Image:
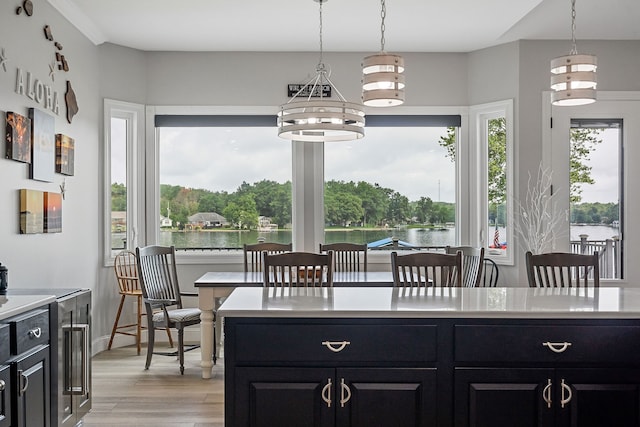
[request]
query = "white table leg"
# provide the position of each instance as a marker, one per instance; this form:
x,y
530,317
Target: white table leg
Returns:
x,y
206,305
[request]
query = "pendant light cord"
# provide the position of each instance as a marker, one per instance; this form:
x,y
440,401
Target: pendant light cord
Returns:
x,y
383,15
574,49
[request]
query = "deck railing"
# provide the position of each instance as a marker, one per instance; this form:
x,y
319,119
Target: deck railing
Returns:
x,y
609,253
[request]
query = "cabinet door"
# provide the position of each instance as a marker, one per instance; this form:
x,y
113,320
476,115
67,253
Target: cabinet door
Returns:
x,y
599,397
5,396
31,376
503,397
393,397
284,397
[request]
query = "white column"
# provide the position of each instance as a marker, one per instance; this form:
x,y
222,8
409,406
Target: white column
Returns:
x,y
308,195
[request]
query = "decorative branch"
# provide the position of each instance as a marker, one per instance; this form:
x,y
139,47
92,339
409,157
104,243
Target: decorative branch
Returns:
x,y
537,219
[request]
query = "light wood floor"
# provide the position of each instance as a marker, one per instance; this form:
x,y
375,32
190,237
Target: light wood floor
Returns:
x,y
124,394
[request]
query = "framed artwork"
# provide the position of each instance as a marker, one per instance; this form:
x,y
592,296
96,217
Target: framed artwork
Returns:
x,y
31,211
43,145
18,137
52,212
64,154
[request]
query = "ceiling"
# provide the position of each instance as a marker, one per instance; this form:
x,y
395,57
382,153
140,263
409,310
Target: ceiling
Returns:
x,y
348,25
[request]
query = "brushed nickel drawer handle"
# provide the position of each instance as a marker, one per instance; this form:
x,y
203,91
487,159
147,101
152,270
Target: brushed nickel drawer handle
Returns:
x,y
336,346
35,332
563,400
326,393
557,347
2,385
345,393
546,393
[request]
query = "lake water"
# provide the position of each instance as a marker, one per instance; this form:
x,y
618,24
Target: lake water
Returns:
x,y
414,236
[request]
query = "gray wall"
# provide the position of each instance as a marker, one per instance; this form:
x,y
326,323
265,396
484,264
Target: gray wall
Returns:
x,y
73,258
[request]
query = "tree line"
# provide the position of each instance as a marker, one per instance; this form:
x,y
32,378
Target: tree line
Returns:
x,y
346,204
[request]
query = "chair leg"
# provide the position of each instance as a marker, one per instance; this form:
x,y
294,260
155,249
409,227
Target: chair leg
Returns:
x,y
181,349
151,337
215,346
170,337
115,323
139,325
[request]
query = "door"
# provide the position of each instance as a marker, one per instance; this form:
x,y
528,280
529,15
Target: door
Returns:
x,y
31,376
393,397
503,397
599,397
625,108
284,397
5,395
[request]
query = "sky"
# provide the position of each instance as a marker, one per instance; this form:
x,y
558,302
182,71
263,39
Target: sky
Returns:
x,y
407,160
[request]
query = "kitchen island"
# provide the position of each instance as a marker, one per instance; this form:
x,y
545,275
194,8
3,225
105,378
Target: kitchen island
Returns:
x,y
432,357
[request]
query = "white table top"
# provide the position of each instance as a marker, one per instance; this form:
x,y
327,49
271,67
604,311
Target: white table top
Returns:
x,y
354,302
12,305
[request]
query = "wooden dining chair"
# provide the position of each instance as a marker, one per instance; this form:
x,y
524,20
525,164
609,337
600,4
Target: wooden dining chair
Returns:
x,y
126,269
253,253
563,270
163,300
472,264
298,269
490,273
425,269
347,256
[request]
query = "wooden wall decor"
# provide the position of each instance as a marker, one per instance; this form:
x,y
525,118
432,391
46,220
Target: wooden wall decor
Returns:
x,y
18,137
72,103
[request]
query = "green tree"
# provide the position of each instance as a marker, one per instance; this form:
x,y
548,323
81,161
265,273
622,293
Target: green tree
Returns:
x,y
583,143
423,209
242,212
399,211
375,202
118,197
342,208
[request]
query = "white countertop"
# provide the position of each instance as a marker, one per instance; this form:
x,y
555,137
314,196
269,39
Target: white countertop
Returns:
x,y
12,305
391,302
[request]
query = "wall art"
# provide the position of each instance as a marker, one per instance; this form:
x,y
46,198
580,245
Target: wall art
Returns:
x,y
65,154
31,211
18,137
43,157
52,212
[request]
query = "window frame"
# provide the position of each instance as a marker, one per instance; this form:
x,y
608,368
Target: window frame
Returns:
x,y
133,114
479,115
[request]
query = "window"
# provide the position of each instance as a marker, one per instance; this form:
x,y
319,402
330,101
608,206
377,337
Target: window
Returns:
x,y
224,181
595,189
396,187
123,135
493,140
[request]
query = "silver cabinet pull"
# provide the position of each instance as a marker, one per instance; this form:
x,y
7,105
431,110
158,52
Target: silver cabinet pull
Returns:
x,y
336,346
326,393
557,347
565,400
546,393
2,385
24,383
345,393
35,332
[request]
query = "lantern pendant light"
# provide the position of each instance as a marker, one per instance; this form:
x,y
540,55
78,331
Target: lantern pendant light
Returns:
x,y
573,77
382,75
320,120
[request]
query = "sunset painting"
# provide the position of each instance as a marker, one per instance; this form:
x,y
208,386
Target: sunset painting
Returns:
x,y
52,212
31,211
18,137
64,154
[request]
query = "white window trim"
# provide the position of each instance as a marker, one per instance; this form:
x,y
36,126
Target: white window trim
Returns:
x,y
134,115
478,193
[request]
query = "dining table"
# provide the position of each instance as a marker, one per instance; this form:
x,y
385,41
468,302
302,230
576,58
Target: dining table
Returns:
x,y
213,286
